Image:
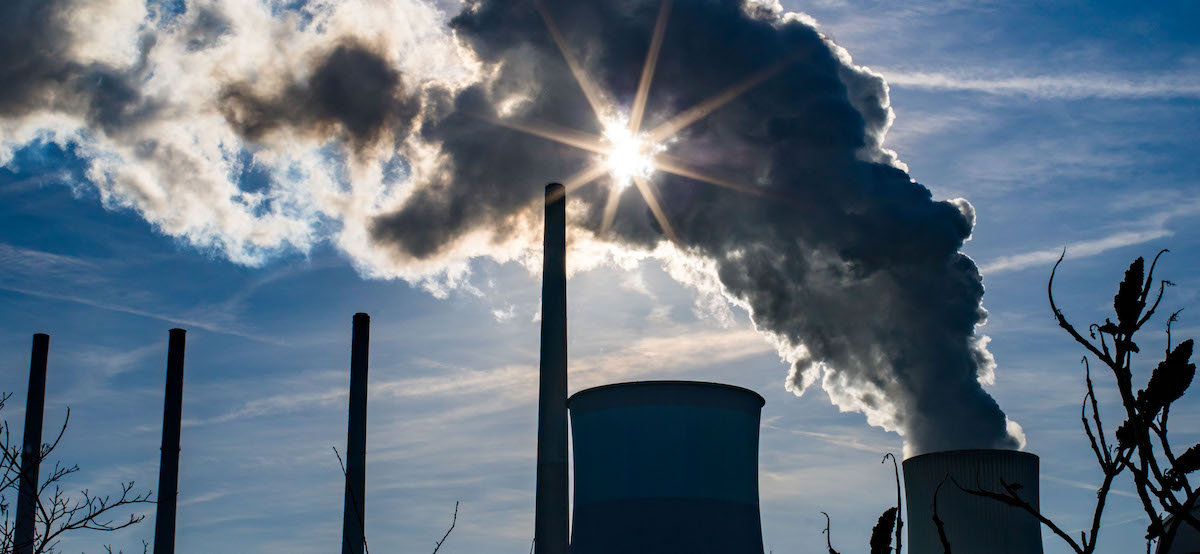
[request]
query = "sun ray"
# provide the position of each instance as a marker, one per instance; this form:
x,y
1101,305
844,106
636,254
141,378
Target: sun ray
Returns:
x,y
643,90
673,165
594,97
610,209
701,110
647,189
584,176
564,135
623,155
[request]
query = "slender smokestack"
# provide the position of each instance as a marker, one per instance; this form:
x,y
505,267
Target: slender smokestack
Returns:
x,y
168,465
31,451
550,527
355,513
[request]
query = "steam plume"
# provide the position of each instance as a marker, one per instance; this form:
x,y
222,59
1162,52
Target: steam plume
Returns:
x,y
376,126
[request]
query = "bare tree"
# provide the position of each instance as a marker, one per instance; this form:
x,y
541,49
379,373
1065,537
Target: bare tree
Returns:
x,y
1141,444
58,512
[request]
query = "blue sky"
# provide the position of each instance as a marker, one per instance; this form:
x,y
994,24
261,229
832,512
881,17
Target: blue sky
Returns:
x,y
1070,124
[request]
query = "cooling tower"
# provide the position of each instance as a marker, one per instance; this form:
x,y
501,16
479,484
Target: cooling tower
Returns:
x,y
666,467
1187,538
974,525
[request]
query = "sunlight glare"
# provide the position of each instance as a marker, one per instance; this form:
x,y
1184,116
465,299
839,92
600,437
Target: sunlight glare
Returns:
x,y
628,155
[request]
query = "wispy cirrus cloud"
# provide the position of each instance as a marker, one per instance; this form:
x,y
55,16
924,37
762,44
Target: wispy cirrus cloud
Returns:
x,y
86,282
1152,227
1069,87
511,385
1079,249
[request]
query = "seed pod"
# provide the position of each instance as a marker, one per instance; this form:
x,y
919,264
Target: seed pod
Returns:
x,y
1169,381
881,534
1125,435
1127,303
1188,461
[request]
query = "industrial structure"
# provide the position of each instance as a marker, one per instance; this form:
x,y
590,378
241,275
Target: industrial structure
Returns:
x,y
354,512
168,467
660,466
666,467
25,531
973,524
1187,538
550,526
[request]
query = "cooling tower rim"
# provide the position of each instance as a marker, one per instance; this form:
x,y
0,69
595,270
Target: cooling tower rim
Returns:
x,y
993,451
664,382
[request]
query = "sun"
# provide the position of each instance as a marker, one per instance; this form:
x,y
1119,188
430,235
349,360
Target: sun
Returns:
x,y
628,155
626,152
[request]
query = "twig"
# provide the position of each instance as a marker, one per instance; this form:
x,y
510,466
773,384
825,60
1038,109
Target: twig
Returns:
x,y
1062,320
899,509
452,522
828,538
1011,498
937,521
354,501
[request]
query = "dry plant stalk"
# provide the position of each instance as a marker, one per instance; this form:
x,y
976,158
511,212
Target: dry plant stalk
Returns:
x,y
1141,444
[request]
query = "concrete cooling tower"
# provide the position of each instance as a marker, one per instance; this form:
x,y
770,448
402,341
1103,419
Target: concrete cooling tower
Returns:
x,y
974,525
666,467
1187,538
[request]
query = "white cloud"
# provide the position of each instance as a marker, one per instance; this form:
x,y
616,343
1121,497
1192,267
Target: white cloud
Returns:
x,y
1071,87
181,169
1155,228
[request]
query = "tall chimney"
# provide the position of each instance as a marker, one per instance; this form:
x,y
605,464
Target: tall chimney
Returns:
x,y
355,513
550,527
168,465
31,451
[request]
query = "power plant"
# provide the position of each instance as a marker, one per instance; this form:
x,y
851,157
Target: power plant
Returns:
x,y
973,524
660,467
666,466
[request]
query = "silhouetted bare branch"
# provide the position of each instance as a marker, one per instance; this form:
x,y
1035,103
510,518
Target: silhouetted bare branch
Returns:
x,y
937,521
899,508
354,501
452,522
828,537
1141,443
57,512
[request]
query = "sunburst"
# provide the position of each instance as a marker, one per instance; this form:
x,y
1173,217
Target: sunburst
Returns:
x,y
625,152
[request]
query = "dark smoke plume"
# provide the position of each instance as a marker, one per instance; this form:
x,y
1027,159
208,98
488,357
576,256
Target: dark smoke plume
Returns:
x,y
352,91
38,73
849,265
857,271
